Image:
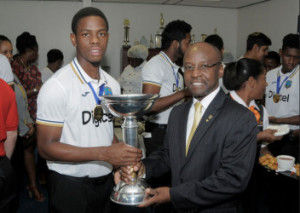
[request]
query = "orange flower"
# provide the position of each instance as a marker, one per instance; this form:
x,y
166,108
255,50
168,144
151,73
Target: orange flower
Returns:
x,y
255,112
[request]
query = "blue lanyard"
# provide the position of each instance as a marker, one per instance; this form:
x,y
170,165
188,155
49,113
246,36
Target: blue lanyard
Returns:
x,y
278,85
174,73
101,91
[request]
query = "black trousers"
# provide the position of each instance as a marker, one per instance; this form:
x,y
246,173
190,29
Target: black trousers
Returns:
x,y
158,132
8,186
79,195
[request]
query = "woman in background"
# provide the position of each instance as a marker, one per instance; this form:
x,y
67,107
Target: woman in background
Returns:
x,y
246,78
26,123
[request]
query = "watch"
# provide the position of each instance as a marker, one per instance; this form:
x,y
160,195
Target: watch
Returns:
x,y
34,90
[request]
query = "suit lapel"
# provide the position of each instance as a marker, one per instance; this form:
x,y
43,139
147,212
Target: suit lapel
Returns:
x,y
183,125
211,113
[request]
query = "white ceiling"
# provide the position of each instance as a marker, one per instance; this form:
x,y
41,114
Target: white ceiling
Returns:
x,y
232,4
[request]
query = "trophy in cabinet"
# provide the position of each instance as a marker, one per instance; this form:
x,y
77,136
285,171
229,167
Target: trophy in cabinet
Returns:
x,y
159,32
126,32
129,107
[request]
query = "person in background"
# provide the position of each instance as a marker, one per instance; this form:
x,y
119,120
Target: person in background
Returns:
x,y
26,130
131,78
75,135
217,41
282,96
210,144
246,78
6,50
8,137
55,59
24,68
272,61
160,76
257,46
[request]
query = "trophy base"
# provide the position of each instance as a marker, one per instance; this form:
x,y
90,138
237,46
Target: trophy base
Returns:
x,y
129,194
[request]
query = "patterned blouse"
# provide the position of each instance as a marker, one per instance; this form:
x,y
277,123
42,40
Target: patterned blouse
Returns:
x,y
30,77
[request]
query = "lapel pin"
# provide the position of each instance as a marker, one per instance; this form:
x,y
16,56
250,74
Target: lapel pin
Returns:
x,y
209,118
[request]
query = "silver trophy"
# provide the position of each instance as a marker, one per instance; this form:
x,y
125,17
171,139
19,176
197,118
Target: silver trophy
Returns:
x,y
129,107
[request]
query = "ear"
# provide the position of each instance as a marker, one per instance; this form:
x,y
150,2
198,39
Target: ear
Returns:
x,y
73,39
221,71
255,47
175,44
280,52
252,82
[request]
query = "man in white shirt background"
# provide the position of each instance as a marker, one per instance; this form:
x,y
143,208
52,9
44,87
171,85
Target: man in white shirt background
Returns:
x,y
55,59
282,96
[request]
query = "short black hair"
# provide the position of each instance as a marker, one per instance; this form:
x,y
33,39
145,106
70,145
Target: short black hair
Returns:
x,y
291,41
237,73
53,55
4,38
85,12
259,39
175,30
273,55
215,40
26,41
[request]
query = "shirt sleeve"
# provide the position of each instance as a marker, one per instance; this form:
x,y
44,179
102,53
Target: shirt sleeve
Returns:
x,y
153,73
11,122
51,104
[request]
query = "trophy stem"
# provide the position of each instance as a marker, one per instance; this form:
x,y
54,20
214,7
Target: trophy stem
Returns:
x,y
130,131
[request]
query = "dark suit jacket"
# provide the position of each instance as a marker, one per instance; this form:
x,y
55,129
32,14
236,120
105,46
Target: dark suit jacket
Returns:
x,y
220,159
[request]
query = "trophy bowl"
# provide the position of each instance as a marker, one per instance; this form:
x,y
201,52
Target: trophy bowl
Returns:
x,y
129,107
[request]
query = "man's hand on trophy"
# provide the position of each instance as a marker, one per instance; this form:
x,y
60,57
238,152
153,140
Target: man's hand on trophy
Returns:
x,y
121,154
156,196
127,173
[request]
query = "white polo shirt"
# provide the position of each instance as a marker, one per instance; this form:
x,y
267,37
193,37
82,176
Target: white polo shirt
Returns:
x,y
162,72
288,104
67,101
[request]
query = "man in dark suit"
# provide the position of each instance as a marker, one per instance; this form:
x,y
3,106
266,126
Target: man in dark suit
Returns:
x,y
211,167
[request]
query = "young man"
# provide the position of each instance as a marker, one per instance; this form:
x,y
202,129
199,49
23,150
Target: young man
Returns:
x,y
272,61
257,46
55,59
76,140
282,95
217,41
210,145
160,76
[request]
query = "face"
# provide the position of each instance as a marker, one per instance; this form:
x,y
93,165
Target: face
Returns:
x,y
58,64
290,59
90,40
199,80
184,44
259,87
7,50
261,52
270,64
33,55
135,62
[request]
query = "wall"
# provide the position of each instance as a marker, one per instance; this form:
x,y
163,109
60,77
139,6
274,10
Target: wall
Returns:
x,y
275,18
50,21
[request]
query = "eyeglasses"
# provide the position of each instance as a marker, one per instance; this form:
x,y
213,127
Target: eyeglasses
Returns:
x,y
203,67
